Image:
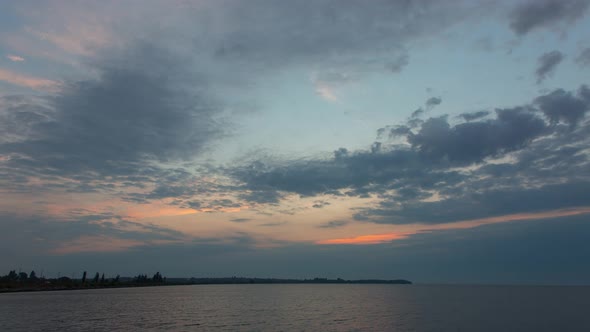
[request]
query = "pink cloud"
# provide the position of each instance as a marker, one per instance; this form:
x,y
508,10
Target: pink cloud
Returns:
x,y
35,83
15,58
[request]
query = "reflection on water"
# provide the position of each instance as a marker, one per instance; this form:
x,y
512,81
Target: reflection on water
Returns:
x,y
301,308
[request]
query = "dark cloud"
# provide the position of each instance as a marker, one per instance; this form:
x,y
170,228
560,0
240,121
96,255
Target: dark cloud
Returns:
x,y
417,113
473,141
239,220
547,64
474,115
546,141
475,205
135,112
562,106
534,14
399,63
325,31
334,224
433,101
41,234
583,58
320,204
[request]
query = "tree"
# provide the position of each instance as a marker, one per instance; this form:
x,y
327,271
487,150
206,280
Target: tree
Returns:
x,y
33,276
23,276
157,277
96,276
102,279
84,277
12,276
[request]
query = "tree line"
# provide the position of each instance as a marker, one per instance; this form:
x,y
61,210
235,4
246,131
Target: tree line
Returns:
x,y
31,281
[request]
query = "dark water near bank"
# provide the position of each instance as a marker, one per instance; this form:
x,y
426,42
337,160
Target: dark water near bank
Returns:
x,y
301,308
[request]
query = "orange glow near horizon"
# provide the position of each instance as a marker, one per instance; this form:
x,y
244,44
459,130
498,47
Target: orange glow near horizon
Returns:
x,y
366,239
464,224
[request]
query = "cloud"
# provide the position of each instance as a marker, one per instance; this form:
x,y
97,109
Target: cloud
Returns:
x,y
528,158
583,58
474,115
320,204
334,224
15,58
536,14
326,93
45,234
473,141
470,256
26,81
547,64
398,63
562,106
433,101
239,220
365,239
144,107
473,205
325,33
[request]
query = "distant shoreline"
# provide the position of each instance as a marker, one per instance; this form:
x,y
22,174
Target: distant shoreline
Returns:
x,y
204,281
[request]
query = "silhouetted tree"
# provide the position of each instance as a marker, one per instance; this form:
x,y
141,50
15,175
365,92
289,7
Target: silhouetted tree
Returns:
x,y
84,277
12,276
96,276
23,276
33,276
141,278
157,277
102,279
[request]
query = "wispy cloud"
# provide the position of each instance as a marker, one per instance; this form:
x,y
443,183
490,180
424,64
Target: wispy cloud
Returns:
x,y
366,239
465,224
32,82
15,58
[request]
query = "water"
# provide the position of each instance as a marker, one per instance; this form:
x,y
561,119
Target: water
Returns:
x,y
301,308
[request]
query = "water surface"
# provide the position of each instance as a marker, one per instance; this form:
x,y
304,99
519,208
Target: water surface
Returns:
x,y
301,308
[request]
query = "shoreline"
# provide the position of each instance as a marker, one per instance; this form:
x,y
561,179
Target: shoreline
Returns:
x,y
210,281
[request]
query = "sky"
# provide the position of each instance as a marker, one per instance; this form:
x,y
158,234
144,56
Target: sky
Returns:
x,y
436,141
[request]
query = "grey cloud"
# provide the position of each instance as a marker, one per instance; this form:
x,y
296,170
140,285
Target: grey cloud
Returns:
x,y
145,112
433,101
320,204
549,165
534,14
135,114
44,233
399,63
474,205
560,105
334,224
325,30
239,220
485,44
417,113
474,115
473,141
547,64
583,58
269,196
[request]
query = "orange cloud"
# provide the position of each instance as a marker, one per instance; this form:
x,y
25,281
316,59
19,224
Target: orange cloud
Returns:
x,y
366,239
388,237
